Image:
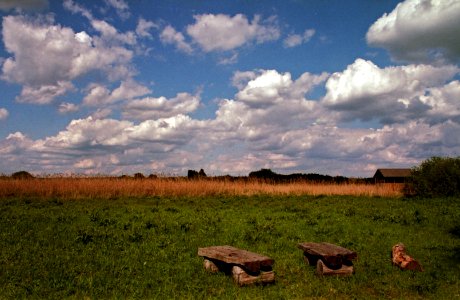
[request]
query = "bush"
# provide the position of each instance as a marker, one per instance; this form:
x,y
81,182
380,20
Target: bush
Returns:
x,y
436,177
139,176
22,175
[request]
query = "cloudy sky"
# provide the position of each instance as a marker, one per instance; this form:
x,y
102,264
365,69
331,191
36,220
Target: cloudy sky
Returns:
x,y
331,87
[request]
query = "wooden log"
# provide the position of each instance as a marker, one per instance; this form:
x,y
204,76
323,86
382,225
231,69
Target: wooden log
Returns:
x,y
250,261
400,258
210,266
241,277
323,270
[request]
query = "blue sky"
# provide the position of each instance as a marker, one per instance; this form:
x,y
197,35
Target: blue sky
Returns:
x,y
331,87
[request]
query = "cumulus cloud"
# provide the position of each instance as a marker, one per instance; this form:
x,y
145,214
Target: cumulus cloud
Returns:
x,y
170,36
294,40
47,57
83,134
156,108
268,105
44,94
3,113
222,32
99,95
270,87
392,94
419,31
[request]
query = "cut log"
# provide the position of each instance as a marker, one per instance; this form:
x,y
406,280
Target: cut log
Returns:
x,y
241,277
400,258
210,266
323,270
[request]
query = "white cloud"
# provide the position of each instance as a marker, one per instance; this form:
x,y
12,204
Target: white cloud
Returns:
x,y
419,31
3,113
86,133
271,87
221,32
170,36
85,164
143,28
44,94
294,40
155,108
121,8
76,9
392,94
229,60
170,132
47,57
66,107
99,95
442,102
110,34
101,113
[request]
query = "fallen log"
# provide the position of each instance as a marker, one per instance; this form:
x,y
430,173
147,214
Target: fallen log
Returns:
x,y
400,258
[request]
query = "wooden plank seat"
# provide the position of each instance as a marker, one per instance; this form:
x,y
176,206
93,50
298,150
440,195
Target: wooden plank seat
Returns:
x,y
246,267
329,259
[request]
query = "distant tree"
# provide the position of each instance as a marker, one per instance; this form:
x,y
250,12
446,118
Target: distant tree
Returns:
x,y
192,174
265,174
202,173
22,175
153,176
436,177
139,176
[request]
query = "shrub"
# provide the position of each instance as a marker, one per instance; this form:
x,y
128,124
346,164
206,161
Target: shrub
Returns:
x,y
436,177
22,175
139,176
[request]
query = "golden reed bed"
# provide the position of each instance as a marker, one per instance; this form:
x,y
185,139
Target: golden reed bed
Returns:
x,y
107,188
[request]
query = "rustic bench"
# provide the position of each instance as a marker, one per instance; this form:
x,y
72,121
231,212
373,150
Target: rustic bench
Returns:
x,y
329,259
246,267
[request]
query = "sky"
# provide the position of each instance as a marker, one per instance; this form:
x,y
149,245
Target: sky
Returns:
x,y
160,87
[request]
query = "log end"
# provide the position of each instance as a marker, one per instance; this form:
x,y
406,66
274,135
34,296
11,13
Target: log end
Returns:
x,y
210,266
323,270
241,277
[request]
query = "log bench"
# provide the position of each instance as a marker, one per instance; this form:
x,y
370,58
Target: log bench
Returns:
x,y
329,259
246,267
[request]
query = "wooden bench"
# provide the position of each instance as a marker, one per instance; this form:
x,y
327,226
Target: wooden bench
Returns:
x,y
246,267
329,259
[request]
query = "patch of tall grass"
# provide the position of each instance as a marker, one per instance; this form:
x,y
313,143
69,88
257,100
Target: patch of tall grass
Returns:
x,y
107,188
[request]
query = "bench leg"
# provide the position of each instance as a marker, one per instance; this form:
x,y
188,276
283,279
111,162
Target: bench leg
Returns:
x,y
242,278
210,266
323,270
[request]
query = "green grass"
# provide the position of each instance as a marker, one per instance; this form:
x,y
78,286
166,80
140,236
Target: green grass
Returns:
x,y
147,247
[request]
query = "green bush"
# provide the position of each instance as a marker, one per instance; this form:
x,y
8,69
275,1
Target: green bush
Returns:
x,y
436,177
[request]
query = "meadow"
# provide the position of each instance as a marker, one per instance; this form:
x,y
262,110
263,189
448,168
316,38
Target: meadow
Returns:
x,y
75,239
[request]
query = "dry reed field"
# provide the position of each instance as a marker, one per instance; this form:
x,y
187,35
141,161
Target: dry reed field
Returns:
x,y
106,188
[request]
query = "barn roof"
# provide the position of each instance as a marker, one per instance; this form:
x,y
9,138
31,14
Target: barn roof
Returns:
x,y
393,172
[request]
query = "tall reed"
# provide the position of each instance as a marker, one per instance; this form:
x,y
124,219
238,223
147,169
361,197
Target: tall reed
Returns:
x,y
107,188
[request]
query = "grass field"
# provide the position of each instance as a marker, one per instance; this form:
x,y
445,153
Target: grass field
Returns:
x,y
145,246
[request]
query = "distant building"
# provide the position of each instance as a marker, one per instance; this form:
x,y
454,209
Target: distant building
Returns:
x,y
391,175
